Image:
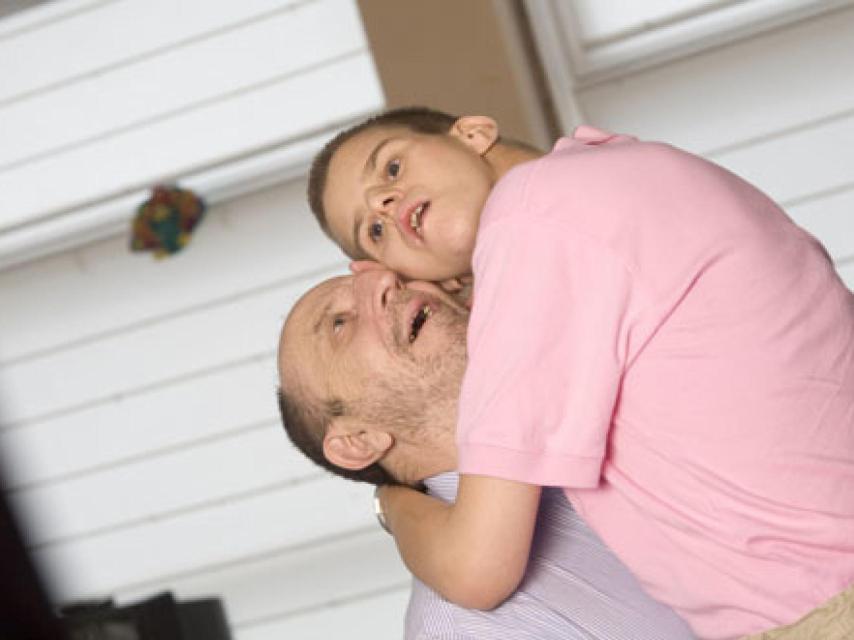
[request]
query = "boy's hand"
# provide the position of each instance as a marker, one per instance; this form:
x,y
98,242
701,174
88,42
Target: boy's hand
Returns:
x,y
460,287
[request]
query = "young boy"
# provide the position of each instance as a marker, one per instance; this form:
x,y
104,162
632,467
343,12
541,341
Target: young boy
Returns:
x,y
650,333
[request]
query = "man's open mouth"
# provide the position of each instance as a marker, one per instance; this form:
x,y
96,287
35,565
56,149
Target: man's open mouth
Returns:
x,y
418,322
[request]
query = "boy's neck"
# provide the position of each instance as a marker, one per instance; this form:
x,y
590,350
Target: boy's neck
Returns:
x,y
503,157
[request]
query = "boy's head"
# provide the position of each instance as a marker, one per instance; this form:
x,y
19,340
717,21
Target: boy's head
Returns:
x,y
406,189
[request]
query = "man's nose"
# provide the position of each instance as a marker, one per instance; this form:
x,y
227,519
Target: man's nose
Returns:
x,y
376,288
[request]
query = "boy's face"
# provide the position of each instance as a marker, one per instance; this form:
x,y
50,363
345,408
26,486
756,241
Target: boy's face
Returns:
x,y
408,200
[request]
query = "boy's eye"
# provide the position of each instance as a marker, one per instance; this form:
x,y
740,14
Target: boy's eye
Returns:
x,y
375,230
393,168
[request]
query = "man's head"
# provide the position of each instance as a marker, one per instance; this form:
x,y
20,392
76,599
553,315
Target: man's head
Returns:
x,y
370,371
406,189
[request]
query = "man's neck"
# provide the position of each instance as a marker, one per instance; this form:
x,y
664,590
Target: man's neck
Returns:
x,y
410,462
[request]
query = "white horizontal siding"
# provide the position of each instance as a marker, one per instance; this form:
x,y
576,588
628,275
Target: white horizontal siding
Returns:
x,y
805,164
170,545
271,587
185,142
600,21
249,461
66,28
178,80
164,420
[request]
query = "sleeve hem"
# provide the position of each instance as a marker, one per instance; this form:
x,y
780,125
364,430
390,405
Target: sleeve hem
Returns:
x,y
567,471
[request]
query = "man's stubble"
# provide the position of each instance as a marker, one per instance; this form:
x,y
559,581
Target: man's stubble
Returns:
x,y
418,401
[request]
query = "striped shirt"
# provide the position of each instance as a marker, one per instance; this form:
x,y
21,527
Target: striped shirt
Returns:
x,y
574,589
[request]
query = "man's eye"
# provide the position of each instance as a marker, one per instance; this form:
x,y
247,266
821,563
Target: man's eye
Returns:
x,y
393,168
375,230
337,324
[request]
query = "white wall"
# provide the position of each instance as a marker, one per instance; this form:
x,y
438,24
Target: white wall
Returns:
x,y
138,424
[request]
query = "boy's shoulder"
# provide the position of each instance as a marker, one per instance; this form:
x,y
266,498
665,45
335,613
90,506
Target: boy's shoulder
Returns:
x,y
568,151
551,172
585,172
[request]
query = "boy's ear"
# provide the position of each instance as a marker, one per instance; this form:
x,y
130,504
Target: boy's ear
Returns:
x,y
478,132
351,447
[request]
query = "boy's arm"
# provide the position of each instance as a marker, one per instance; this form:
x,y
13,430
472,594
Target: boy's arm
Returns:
x,y
473,552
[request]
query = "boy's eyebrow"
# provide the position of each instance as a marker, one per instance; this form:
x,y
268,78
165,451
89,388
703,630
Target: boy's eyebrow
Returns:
x,y
357,227
371,162
370,165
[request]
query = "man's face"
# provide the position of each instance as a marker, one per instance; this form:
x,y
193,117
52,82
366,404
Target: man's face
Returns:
x,y
392,354
408,200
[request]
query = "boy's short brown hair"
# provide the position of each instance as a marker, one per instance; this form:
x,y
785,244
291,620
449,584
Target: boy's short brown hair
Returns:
x,y
418,119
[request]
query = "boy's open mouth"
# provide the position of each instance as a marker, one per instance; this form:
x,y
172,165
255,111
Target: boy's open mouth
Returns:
x,y
417,215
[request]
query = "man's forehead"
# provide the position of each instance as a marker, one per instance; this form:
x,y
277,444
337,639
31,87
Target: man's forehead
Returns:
x,y
301,346
316,303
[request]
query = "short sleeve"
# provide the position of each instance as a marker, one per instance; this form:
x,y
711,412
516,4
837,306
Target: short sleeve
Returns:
x,y
548,341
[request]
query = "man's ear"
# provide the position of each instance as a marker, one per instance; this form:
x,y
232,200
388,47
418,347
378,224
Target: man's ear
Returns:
x,y
479,133
354,448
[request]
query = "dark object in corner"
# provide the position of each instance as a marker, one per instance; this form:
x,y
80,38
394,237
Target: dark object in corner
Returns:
x,y
165,222
25,611
158,618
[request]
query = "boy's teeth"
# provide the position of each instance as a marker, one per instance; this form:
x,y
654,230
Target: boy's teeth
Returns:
x,y
415,217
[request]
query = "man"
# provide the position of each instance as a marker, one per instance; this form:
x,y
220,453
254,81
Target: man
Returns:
x,y
348,370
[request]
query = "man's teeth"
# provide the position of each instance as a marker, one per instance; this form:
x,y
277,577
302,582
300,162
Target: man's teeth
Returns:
x,y
418,322
415,216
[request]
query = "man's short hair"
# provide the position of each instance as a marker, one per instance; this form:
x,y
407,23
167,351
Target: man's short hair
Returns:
x,y
418,119
305,425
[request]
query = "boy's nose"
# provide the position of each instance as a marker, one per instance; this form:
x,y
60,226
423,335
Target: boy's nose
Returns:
x,y
384,200
376,288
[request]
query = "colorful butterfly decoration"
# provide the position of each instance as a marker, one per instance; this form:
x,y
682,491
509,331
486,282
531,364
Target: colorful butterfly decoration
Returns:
x,y
164,223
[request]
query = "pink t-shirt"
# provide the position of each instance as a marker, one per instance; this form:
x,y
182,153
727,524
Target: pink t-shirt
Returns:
x,y
653,334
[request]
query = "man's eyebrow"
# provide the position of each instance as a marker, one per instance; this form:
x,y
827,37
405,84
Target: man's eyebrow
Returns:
x,y
320,321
